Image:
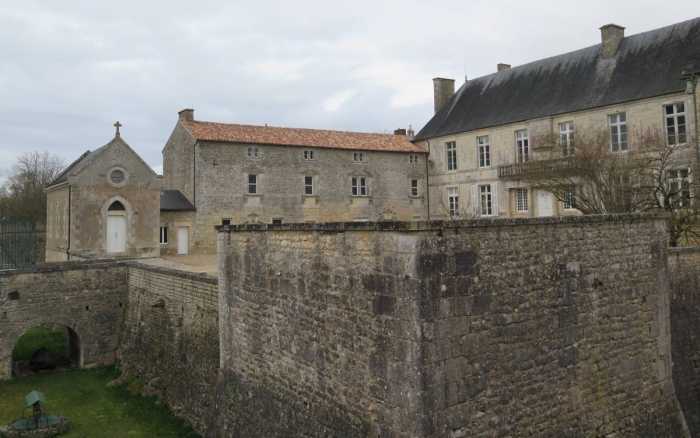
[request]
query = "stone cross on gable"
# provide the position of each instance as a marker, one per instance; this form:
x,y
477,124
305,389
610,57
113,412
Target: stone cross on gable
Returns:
x,y
117,125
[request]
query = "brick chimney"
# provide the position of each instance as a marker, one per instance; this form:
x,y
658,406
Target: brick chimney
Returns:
x,y
611,36
443,89
400,131
186,115
502,67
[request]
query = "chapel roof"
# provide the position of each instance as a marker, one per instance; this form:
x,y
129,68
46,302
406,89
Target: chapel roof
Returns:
x,y
303,137
646,65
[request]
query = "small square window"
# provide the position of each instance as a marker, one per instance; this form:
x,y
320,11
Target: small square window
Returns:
x,y
253,152
413,158
358,157
308,155
277,221
226,221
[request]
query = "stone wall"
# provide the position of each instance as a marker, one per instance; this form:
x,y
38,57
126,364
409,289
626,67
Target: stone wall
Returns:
x,y
684,264
550,327
89,298
171,341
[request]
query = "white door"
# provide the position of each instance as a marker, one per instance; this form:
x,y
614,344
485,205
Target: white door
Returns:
x,y
183,243
116,234
545,204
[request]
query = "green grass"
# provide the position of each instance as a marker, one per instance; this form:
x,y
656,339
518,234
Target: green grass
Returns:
x,y
53,340
94,409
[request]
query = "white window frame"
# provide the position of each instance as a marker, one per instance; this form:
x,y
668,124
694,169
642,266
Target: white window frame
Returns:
x,y
521,200
413,188
674,177
522,146
308,185
483,151
360,188
413,158
569,202
252,184
676,131
253,152
451,155
359,157
164,235
566,138
453,201
617,125
309,155
486,200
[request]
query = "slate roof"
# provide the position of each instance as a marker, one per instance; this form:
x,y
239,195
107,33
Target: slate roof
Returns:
x,y
63,176
646,65
317,138
174,200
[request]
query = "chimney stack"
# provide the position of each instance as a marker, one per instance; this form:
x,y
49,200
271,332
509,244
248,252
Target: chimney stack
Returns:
x,y
400,131
443,89
501,67
186,115
611,36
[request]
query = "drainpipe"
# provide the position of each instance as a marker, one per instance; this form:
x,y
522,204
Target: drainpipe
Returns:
x,y
69,201
427,180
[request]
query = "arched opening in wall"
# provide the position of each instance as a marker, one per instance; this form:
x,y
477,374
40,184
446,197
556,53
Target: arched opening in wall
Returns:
x,y
116,228
46,348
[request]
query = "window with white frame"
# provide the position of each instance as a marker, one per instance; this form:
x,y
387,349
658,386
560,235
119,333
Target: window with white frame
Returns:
x,y
163,235
522,146
486,200
359,186
675,123
308,155
412,158
521,200
453,201
679,187
414,188
358,157
252,184
226,221
618,131
566,138
253,152
451,155
483,151
569,199
308,185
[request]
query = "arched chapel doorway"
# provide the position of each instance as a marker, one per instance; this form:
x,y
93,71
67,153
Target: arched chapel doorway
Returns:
x,y
116,228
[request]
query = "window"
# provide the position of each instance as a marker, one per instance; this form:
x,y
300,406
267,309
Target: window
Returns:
x,y
308,155
226,221
359,186
570,199
453,201
163,235
522,146
412,158
521,200
486,198
483,151
358,157
414,188
253,152
566,138
679,187
451,152
277,221
675,123
618,132
308,185
252,184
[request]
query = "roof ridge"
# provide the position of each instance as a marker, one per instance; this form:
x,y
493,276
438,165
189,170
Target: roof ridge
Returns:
x,y
296,129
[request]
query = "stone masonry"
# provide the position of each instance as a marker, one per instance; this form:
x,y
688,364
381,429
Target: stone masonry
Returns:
x,y
550,328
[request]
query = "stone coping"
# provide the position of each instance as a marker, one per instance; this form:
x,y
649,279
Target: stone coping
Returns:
x,y
416,226
196,276
684,249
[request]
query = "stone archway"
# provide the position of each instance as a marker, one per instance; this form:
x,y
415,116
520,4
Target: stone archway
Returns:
x,y
46,346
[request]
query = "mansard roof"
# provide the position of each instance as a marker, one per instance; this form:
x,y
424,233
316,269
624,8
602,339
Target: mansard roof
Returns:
x,y
646,65
316,138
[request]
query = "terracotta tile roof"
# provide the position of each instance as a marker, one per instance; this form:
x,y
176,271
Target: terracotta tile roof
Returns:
x,y
317,138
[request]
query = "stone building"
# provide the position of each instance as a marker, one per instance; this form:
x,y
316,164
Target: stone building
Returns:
x,y
105,204
230,173
482,136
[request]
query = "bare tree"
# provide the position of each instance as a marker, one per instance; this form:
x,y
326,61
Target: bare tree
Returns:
x,y
645,174
23,196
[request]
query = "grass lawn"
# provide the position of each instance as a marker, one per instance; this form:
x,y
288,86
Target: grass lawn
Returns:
x,y
40,337
94,409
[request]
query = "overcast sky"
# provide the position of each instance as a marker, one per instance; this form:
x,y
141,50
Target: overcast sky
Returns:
x,y
70,69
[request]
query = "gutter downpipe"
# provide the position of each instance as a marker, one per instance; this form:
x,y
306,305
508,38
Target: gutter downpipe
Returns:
x,y
427,179
69,213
